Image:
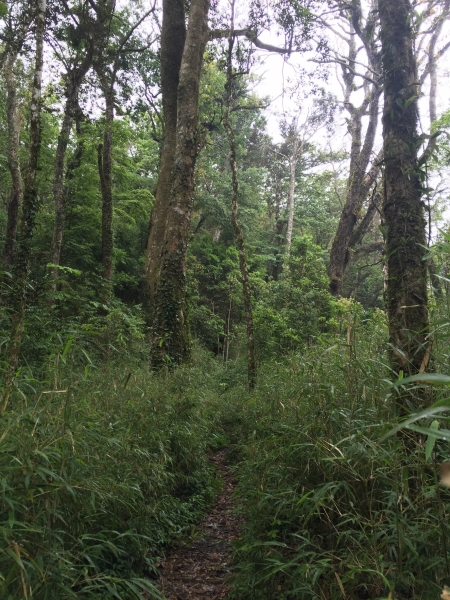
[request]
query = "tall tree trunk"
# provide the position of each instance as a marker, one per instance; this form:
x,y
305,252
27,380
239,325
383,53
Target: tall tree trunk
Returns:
x,y
291,194
406,293
170,327
75,162
105,173
251,360
58,192
277,265
16,198
75,79
106,63
30,206
15,36
173,36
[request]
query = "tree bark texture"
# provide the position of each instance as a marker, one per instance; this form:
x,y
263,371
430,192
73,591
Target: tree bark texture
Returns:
x,y
16,197
170,327
277,265
291,194
16,34
75,79
374,207
363,170
105,172
251,359
173,36
30,206
406,292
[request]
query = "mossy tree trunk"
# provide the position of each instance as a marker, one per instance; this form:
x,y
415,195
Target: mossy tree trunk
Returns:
x,y
406,291
173,36
170,343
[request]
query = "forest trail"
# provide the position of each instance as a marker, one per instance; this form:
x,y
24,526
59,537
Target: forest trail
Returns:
x,y
199,571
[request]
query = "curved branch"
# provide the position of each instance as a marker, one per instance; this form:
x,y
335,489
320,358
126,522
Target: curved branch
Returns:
x,y
251,35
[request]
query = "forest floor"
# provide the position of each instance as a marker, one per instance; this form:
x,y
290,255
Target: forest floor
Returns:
x,y
199,569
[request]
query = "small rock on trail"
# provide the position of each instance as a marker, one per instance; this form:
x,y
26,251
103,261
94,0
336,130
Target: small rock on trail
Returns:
x,y
199,571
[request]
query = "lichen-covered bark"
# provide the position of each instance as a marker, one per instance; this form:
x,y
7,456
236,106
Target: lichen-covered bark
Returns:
x,y
173,36
406,292
170,328
30,206
291,194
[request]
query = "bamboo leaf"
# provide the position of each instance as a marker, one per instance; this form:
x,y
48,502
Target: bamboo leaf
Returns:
x,y
431,440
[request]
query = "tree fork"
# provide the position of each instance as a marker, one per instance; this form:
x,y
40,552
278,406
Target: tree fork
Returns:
x,y
362,173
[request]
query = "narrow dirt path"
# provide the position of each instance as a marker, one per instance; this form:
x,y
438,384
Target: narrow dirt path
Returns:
x,y
199,571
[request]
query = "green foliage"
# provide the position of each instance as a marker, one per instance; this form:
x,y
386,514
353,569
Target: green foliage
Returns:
x,y
103,463
98,474
298,306
327,507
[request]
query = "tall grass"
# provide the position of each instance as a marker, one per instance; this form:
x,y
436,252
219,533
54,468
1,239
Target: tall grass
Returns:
x,y
98,473
101,468
330,511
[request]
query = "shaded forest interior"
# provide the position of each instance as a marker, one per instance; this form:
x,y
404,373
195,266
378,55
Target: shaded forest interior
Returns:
x,y
193,267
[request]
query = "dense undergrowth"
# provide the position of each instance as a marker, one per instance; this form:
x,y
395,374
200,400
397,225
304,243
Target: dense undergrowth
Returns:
x,y
102,466
331,511
98,473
